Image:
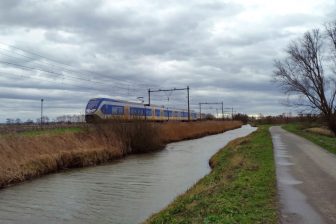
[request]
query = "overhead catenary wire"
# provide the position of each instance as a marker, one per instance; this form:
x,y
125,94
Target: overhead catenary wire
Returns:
x,y
34,61
50,79
38,60
42,69
49,60
59,74
72,70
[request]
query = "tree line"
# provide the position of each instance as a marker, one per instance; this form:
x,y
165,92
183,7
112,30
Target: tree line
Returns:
x,y
46,120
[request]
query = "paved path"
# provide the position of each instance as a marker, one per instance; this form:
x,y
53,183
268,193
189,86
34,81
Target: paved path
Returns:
x,y
306,179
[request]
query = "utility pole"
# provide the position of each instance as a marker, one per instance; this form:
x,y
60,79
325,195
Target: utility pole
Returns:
x,y
222,110
169,90
230,108
188,104
41,112
200,107
149,91
232,113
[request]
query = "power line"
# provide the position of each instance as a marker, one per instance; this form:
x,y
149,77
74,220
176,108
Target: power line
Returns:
x,y
39,60
214,103
59,74
170,90
54,61
33,60
60,82
34,53
46,65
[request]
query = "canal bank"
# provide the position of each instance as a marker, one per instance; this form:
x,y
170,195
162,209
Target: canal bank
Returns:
x,y
241,187
24,157
126,191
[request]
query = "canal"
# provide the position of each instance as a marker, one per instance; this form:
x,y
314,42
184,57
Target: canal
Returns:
x,y
125,191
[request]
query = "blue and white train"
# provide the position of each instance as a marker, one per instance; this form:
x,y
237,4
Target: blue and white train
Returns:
x,y
100,109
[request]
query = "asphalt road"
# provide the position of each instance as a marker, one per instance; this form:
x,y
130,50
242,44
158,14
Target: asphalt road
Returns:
x,y
306,179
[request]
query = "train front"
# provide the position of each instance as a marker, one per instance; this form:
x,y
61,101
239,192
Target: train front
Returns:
x,y
91,110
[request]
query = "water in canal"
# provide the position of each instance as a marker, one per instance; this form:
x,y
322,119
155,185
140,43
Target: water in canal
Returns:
x,y
125,191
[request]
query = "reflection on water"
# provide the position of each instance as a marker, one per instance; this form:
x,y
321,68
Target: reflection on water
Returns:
x,y
126,191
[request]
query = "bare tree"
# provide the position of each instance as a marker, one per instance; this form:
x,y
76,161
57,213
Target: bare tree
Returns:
x,y
17,121
308,73
331,36
9,121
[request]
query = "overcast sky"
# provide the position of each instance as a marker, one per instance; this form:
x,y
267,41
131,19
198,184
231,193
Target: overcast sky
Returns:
x,y
68,51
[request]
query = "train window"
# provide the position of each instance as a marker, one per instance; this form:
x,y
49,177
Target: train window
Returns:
x,y
106,109
148,112
93,104
109,109
167,113
157,112
117,110
103,109
137,111
132,111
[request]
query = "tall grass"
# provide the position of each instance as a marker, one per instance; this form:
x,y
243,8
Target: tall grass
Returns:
x,y
23,157
137,137
27,157
177,131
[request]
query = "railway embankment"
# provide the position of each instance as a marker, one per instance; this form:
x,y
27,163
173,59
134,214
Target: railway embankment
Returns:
x,y
241,187
25,156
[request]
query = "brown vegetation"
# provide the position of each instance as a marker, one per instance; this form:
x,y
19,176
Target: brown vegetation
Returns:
x,y
24,157
321,131
171,132
27,157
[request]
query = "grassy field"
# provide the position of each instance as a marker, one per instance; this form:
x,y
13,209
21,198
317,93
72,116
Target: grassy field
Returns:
x,y
34,153
240,189
326,142
55,131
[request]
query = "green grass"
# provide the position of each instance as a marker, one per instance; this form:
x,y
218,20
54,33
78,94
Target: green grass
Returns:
x,y
55,131
326,142
240,189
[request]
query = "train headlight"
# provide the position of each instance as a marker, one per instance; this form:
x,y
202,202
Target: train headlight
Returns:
x,y
90,111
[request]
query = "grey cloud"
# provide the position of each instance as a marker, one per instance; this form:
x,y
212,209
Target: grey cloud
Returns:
x,y
156,44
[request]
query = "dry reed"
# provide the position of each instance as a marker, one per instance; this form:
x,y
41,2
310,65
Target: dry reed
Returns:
x,y
26,157
171,132
321,131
